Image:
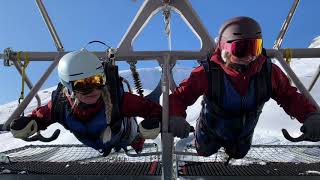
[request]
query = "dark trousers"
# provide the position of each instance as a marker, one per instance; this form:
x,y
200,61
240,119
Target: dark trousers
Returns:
x,y
207,143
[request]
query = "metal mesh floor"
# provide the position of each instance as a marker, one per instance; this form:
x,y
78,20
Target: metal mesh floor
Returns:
x,y
263,154
269,169
91,168
262,160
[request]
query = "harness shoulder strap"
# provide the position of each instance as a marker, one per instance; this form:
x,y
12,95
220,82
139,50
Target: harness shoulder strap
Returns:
x,y
215,81
263,83
116,91
59,101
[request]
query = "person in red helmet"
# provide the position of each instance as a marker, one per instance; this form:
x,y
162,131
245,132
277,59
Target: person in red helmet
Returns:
x,y
92,107
235,83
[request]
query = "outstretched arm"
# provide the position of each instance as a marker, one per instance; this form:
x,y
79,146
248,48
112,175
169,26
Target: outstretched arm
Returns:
x,y
42,115
294,103
188,92
134,105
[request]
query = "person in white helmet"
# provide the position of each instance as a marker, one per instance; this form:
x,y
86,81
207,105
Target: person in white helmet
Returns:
x,y
83,104
235,83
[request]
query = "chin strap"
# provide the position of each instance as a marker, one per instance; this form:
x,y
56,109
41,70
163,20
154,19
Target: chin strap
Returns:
x,y
239,67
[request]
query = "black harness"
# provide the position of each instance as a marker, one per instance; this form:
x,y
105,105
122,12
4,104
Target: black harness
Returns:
x,y
60,102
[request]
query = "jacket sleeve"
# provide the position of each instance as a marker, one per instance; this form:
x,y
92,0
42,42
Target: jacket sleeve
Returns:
x,y
294,103
42,115
188,92
134,105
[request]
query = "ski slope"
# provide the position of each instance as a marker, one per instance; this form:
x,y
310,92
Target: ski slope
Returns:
x,y
268,130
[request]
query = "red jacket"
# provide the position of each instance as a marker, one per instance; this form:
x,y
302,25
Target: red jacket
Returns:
x,y
132,106
294,103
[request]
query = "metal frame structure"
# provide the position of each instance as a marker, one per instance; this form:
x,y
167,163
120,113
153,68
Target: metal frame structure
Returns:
x,y
166,59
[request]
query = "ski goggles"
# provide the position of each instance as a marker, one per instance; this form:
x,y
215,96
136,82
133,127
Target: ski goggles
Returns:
x,y
244,47
87,85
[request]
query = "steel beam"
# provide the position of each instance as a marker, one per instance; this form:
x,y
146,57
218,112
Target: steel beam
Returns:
x,y
174,55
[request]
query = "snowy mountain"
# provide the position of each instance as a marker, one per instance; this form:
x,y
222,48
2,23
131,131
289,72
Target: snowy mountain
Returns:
x,y
268,130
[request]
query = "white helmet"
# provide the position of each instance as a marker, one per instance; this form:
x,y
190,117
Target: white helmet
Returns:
x,y
78,65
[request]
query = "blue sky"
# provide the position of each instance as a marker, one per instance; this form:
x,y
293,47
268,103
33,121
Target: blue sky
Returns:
x,y
81,21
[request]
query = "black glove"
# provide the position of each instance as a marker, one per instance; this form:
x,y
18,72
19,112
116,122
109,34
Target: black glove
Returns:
x,y
150,128
311,127
23,127
179,127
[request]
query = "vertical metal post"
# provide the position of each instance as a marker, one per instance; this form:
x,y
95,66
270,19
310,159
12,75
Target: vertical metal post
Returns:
x,y
22,106
295,79
167,138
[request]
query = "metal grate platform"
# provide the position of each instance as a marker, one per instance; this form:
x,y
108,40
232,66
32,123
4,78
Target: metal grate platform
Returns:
x,y
80,162
269,169
91,168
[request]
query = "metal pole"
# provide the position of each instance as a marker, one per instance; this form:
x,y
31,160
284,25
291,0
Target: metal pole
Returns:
x,y
167,138
50,26
174,55
285,25
315,78
296,52
27,80
165,90
295,79
22,106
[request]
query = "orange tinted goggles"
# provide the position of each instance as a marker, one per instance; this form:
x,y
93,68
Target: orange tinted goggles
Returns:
x,y
89,84
244,47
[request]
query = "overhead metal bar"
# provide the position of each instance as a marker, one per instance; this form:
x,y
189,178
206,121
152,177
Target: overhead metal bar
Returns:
x,y
22,106
296,52
174,55
285,25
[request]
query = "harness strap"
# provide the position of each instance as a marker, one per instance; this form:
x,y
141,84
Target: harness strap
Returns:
x,y
59,101
115,88
23,72
215,81
215,94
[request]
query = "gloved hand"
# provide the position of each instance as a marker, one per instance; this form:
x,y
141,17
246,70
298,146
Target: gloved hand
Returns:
x,y
149,128
311,127
23,127
179,127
